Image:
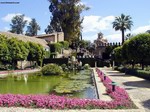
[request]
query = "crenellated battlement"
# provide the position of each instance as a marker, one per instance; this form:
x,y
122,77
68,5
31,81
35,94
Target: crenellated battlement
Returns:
x,y
109,44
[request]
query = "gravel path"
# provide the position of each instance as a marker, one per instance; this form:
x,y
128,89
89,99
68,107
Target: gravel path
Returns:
x,y
138,88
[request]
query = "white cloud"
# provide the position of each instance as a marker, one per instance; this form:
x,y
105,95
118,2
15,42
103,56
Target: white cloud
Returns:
x,y
43,33
114,37
94,24
8,17
97,23
28,19
90,38
141,29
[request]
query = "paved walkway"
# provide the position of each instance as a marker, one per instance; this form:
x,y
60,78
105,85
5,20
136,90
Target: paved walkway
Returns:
x,y
138,88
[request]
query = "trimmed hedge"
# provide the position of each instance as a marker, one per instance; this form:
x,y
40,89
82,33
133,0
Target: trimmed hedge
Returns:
x,y
143,74
58,61
51,69
90,61
139,73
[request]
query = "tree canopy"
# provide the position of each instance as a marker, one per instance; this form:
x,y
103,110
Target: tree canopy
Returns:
x,y
36,52
66,17
135,50
139,48
17,24
122,23
33,28
12,50
4,51
118,54
49,29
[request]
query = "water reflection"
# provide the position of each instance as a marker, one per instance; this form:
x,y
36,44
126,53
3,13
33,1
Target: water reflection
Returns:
x,y
35,84
25,78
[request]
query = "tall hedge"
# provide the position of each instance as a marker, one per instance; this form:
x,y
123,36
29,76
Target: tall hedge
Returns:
x,y
118,54
139,48
12,50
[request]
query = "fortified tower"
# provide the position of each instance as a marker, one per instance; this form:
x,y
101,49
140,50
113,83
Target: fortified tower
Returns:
x,y
100,44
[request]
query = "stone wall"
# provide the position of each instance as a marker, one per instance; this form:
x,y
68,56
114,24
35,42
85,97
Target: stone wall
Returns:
x,y
24,64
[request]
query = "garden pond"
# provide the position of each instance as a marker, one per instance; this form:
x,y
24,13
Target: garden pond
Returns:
x,y
73,85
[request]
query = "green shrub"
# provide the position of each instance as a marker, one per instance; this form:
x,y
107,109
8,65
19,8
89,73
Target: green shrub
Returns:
x,y
144,74
86,66
52,69
136,72
65,44
64,66
47,54
55,47
147,68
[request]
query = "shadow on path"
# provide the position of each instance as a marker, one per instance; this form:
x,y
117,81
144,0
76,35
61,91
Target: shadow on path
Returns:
x,y
130,88
120,75
141,84
115,73
146,104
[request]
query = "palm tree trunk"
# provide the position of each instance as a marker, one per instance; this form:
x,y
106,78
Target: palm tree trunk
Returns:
x,y
81,36
122,31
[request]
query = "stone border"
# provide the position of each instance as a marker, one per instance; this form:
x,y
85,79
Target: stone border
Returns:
x,y
100,88
18,72
20,109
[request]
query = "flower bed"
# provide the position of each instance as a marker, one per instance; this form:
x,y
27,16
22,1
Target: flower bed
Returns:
x,y
119,95
120,99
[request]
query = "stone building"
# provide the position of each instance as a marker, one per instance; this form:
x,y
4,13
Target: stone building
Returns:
x,y
26,39
100,45
53,37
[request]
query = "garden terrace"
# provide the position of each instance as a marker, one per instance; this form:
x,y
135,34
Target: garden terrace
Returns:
x,y
120,99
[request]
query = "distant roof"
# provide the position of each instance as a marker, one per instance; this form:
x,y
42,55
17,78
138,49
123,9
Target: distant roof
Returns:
x,y
25,38
46,35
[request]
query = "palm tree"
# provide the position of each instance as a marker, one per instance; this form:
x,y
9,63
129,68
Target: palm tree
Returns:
x,y
128,36
122,23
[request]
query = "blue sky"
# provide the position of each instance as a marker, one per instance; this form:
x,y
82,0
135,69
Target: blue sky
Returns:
x,y
98,18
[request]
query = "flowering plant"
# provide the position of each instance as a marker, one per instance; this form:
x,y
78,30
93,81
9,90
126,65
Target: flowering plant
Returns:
x,y
119,95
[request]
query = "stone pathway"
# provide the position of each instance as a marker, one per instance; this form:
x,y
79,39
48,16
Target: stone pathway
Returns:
x,y
138,88
19,109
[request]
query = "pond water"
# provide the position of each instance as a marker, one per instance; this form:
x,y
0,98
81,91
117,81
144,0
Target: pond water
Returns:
x,y
34,84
